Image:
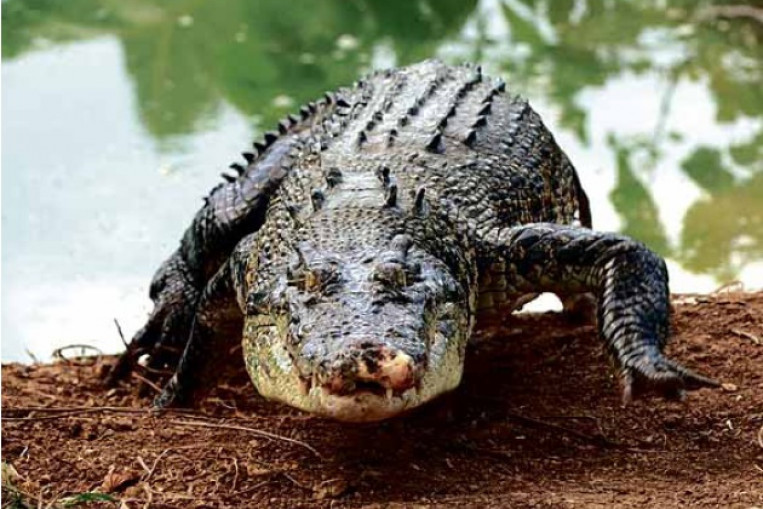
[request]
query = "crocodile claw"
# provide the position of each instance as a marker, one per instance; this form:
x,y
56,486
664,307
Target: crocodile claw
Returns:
x,y
162,339
660,375
172,395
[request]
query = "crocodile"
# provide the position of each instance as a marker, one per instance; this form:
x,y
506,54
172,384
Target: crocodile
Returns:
x,y
355,248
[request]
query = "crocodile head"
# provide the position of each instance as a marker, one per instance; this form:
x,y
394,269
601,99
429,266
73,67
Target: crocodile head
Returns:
x,y
357,331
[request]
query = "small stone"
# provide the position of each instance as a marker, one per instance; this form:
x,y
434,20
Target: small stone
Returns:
x,y
728,387
332,488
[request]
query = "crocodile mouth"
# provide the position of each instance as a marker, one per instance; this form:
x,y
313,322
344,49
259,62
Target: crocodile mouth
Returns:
x,y
365,400
370,388
374,388
393,389
368,402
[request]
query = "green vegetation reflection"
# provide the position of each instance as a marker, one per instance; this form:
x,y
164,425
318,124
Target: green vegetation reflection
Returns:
x,y
187,58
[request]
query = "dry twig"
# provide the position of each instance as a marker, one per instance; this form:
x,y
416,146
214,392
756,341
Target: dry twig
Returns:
x,y
146,381
296,482
255,431
58,353
235,475
600,440
752,337
121,335
156,462
63,412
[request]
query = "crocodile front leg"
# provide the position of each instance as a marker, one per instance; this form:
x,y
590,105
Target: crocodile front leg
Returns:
x,y
630,283
215,330
231,211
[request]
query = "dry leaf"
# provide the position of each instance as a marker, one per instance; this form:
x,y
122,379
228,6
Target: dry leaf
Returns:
x,y
118,481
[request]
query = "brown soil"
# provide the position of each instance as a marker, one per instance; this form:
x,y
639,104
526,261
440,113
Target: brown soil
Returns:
x,y
537,421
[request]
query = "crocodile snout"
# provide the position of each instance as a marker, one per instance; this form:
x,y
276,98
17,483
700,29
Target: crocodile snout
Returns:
x,y
379,370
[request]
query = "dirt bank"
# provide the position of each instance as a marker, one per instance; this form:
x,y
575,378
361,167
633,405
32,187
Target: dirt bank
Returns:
x,y
536,422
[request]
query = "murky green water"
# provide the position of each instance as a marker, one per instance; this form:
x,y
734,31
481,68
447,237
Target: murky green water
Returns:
x,y
118,116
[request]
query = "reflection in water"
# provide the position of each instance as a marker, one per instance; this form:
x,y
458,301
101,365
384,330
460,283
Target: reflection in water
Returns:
x,y
119,114
635,205
723,232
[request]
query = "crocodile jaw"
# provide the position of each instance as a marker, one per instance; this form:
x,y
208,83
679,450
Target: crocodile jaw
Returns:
x,y
274,375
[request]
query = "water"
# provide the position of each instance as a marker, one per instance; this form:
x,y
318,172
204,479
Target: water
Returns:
x,y
118,116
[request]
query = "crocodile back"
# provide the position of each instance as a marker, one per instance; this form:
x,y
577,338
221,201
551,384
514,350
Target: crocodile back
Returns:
x,y
478,154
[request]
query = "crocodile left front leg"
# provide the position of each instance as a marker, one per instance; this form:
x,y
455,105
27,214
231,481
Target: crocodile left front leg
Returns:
x,y
630,283
214,333
230,212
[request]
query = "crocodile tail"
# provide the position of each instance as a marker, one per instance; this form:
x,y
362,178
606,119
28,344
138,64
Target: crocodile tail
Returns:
x,y
584,206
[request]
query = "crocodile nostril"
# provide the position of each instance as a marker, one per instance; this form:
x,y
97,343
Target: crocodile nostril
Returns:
x,y
391,369
371,386
380,371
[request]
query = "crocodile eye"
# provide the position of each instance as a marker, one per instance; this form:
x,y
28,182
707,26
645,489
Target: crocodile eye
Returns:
x,y
390,274
312,281
317,278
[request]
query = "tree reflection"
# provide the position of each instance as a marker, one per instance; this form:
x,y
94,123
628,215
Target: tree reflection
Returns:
x,y
723,231
635,205
186,58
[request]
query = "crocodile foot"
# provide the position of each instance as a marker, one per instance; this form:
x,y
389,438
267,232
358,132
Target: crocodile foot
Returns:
x,y
656,374
173,395
158,345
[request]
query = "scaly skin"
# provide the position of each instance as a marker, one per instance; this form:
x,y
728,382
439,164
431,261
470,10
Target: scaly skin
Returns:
x,y
362,242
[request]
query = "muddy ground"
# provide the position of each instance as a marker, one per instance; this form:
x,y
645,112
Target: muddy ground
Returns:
x,y
537,422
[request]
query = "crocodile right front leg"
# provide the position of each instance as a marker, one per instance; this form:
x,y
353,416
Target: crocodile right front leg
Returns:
x,y
231,211
631,286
